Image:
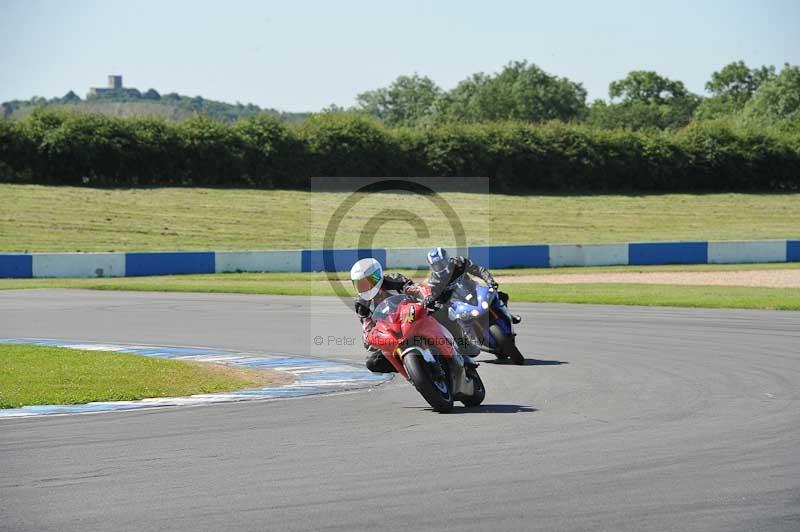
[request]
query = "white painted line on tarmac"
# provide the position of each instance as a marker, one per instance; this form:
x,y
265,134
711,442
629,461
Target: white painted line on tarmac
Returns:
x,y
311,376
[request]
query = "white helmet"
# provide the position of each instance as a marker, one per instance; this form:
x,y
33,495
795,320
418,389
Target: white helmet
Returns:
x,y
367,277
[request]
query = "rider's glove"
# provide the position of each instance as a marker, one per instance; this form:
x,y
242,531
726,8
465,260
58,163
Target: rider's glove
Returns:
x,y
430,303
493,284
361,309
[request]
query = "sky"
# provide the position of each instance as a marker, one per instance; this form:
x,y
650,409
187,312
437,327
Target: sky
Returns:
x,y
305,55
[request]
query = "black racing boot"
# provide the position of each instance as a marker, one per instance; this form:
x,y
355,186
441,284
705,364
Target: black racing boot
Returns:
x,y
515,318
377,363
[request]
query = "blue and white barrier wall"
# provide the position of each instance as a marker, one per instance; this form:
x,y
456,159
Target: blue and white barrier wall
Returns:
x,y
36,265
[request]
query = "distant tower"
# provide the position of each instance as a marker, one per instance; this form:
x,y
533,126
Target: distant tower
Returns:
x,y
113,89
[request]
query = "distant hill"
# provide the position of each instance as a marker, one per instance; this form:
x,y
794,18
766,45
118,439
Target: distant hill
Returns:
x,y
130,102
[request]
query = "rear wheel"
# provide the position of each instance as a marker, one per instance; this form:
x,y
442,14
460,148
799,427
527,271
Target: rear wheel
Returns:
x,y
436,391
507,345
480,392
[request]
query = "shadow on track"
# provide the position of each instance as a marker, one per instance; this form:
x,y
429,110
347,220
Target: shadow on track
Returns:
x,y
484,409
528,362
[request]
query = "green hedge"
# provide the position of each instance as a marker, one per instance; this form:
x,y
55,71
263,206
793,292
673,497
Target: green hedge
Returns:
x,y
76,148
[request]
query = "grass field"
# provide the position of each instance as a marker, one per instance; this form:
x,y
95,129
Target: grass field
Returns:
x,y
42,218
38,375
307,284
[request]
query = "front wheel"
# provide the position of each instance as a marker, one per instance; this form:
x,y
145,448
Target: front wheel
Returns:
x,y
506,345
436,391
480,392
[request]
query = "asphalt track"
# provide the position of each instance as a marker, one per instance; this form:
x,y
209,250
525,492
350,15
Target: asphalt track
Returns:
x,y
634,419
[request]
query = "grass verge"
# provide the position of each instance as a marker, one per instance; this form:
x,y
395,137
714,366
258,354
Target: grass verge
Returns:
x,y
39,375
742,297
89,219
317,284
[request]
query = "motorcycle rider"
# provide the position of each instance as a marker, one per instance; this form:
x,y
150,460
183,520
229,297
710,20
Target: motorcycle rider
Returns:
x,y
444,272
373,287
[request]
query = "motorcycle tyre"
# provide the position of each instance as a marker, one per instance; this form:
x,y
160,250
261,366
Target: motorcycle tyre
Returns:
x,y
507,345
423,381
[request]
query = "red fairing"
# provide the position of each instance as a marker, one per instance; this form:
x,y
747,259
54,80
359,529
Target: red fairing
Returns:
x,y
429,332
410,314
384,337
412,323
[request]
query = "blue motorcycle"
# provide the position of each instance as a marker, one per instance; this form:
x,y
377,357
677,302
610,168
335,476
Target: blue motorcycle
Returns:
x,y
484,318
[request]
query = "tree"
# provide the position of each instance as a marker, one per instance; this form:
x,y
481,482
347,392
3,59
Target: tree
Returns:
x,y
333,108
639,115
777,101
521,91
151,94
647,101
196,103
648,87
403,103
737,82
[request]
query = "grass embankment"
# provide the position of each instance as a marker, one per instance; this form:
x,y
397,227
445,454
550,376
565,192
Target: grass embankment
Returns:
x,y
318,284
37,375
46,218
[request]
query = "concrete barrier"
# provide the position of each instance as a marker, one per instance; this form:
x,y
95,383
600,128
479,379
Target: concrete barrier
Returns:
x,y
78,264
533,256
16,265
588,254
27,265
414,258
747,251
337,260
258,261
793,251
650,253
168,263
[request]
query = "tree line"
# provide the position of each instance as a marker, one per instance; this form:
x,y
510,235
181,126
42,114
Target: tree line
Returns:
x,y
525,128
189,105
642,100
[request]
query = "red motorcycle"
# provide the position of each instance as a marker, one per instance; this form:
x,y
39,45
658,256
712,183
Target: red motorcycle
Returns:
x,y
423,352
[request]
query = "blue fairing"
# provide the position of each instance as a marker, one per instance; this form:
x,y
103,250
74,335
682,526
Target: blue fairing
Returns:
x,y
470,305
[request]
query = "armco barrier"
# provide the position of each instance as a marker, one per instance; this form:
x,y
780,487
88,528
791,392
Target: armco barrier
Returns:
x,y
24,265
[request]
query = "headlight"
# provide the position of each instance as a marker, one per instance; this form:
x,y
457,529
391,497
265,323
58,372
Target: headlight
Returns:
x,y
485,305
